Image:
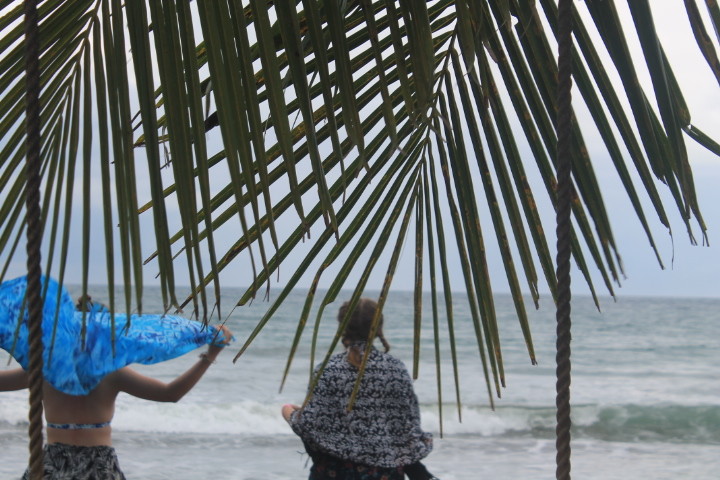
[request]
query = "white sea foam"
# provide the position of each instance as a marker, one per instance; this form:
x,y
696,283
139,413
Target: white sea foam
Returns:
x,y
14,408
246,417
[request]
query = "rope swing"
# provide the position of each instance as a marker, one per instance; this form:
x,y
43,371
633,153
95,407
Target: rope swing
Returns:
x,y
34,236
563,230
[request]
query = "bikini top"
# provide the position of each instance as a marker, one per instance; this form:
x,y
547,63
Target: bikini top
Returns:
x,y
78,426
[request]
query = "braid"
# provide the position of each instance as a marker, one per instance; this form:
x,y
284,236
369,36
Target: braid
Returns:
x,y
385,343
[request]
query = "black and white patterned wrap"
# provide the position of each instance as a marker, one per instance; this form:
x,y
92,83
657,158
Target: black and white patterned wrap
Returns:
x,y
383,428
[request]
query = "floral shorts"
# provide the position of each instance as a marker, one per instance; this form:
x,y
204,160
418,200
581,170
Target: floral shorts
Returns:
x,y
72,462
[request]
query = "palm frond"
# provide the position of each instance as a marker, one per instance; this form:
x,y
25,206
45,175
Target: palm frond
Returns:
x,y
256,132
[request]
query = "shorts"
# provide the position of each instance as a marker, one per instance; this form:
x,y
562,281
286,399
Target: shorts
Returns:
x,y
73,462
331,468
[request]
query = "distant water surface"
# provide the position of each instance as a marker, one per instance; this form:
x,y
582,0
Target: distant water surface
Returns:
x,y
645,396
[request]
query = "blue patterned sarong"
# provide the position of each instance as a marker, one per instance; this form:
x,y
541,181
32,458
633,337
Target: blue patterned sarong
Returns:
x,y
76,367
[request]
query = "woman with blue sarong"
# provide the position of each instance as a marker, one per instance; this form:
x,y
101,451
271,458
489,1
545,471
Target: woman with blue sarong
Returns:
x,y
83,373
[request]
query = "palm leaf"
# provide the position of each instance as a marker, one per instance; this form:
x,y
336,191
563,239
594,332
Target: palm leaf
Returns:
x,y
339,122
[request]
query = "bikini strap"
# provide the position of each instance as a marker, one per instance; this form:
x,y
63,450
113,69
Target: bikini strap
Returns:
x,y
78,426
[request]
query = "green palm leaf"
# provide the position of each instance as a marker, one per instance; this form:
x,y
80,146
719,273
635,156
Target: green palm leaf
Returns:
x,y
321,129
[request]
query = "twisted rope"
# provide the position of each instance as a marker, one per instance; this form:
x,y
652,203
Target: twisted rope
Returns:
x,y
32,203
564,193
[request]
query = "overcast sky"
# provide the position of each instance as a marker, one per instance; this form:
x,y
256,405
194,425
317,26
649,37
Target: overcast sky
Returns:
x,y
689,270
695,270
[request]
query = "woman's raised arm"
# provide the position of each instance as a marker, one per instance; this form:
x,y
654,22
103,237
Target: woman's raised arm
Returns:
x,y
129,381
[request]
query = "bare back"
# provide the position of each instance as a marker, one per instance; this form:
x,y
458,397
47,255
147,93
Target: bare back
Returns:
x,y
95,408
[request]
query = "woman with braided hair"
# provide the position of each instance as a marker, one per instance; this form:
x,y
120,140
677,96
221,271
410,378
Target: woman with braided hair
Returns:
x,y
380,436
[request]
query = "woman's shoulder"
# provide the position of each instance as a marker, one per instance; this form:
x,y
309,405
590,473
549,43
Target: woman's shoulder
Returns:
x,y
377,358
388,360
336,360
387,357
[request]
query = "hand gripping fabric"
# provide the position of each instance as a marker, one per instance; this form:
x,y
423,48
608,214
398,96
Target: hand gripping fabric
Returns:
x,y
76,367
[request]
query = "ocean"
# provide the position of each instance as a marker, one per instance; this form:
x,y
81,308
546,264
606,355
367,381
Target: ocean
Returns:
x,y
645,397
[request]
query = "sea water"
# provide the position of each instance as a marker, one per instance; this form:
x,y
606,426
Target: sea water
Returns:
x,y
645,396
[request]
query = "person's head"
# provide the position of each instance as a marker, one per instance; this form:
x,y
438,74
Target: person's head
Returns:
x,y
359,327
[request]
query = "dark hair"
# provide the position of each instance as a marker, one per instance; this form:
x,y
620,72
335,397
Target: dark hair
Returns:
x,y
359,326
84,303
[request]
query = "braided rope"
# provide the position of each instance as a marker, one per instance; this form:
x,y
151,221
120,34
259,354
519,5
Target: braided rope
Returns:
x,y
564,193
32,201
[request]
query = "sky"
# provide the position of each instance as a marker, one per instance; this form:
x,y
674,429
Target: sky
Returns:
x,y
689,271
